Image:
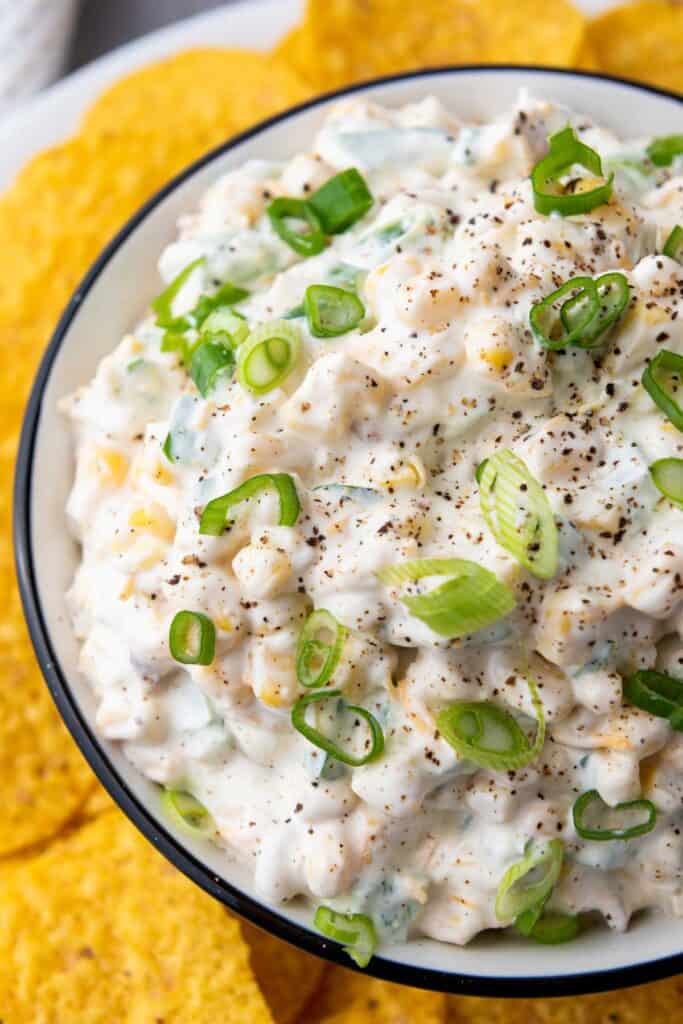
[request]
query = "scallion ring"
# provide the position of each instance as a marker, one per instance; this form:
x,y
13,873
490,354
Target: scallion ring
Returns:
x,y
318,739
356,933
225,325
472,598
666,362
667,476
319,648
591,803
657,693
518,513
549,928
306,241
546,319
566,151
268,356
613,295
673,247
488,735
227,295
187,812
192,638
529,881
662,150
341,201
214,519
332,311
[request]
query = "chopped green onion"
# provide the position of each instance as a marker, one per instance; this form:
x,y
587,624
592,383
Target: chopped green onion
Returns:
x,y
613,295
268,356
167,448
307,241
673,246
341,201
662,151
546,320
518,513
319,648
529,881
471,599
163,303
226,326
214,518
566,151
192,638
175,341
550,928
669,362
227,295
656,692
295,313
210,360
355,931
319,739
591,801
332,311
667,476
187,812
490,736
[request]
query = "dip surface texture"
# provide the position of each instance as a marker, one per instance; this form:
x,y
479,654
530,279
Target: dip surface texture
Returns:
x,y
381,431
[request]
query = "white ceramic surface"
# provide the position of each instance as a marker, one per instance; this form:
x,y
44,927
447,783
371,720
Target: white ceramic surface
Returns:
x,y
117,299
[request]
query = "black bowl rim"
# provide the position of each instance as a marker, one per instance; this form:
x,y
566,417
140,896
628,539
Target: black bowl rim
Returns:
x,y
83,733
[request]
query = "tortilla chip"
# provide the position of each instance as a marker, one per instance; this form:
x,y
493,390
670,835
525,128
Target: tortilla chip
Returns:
x,y
206,95
643,41
658,1003
347,997
343,41
286,976
101,928
96,803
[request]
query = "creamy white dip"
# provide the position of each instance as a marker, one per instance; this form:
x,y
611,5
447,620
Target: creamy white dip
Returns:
x,y
442,373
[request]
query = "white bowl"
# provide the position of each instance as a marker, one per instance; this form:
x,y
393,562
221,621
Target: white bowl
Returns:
x,y
112,297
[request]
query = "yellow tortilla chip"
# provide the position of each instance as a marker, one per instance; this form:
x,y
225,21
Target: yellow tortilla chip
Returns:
x,y
643,41
287,977
208,95
658,1003
347,997
101,928
97,802
349,40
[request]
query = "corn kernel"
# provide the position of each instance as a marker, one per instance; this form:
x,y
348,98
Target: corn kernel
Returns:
x,y
154,520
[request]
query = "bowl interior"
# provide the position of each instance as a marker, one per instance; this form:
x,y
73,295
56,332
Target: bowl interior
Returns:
x,y
104,309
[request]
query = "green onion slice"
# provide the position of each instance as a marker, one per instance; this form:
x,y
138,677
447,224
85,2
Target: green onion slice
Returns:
x,y
163,303
167,448
472,598
210,360
673,246
547,323
226,326
356,932
668,362
656,692
268,356
341,201
529,881
550,928
590,809
613,295
518,513
667,476
319,648
187,812
227,295
319,739
490,736
662,150
332,311
192,638
308,239
215,520
566,151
